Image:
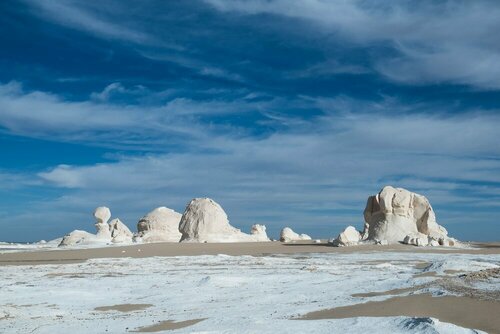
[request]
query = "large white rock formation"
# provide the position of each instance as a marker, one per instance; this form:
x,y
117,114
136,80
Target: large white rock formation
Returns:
x,y
397,215
205,221
288,235
160,225
79,237
116,231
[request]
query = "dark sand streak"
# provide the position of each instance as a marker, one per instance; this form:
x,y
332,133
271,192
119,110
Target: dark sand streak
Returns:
x,y
123,307
168,325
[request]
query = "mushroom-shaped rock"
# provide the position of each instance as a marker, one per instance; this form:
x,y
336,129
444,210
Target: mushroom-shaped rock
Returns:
x,y
160,225
288,235
103,235
119,231
204,220
349,237
102,215
395,213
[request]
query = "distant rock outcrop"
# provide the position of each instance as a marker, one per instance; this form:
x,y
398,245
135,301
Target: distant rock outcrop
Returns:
x,y
115,231
79,237
160,225
204,220
288,235
350,236
258,232
396,215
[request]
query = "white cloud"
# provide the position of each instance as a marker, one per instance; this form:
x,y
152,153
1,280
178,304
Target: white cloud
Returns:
x,y
311,178
449,41
314,172
81,15
39,114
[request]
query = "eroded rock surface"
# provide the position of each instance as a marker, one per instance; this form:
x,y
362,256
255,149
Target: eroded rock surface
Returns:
x,y
288,235
396,215
115,231
350,236
204,220
119,231
160,225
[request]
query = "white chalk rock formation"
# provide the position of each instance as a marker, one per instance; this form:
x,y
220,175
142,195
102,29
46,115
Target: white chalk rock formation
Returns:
x,y
115,231
160,225
258,232
78,237
349,237
288,235
120,233
102,215
398,215
205,221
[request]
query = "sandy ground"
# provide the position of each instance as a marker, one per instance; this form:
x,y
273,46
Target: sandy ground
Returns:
x,y
192,249
462,311
470,307
168,326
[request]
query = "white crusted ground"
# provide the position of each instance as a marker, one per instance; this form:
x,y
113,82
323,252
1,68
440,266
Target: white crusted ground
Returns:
x,y
241,294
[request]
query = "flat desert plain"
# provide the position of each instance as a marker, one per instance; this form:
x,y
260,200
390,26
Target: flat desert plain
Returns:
x,y
267,287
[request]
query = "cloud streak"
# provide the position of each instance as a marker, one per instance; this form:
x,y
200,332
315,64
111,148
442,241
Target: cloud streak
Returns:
x,y
436,42
85,16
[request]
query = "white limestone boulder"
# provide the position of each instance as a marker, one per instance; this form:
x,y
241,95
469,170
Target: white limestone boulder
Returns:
x,y
288,235
426,240
419,239
204,220
120,233
349,237
160,225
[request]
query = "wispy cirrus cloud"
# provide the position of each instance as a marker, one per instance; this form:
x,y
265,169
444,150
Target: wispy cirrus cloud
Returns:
x,y
316,181
91,17
313,173
434,42
413,43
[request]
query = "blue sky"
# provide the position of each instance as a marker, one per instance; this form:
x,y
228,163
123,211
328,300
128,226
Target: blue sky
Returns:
x,y
288,113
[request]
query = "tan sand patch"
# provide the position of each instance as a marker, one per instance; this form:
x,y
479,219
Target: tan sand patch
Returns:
x,y
461,311
388,292
68,275
422,265
426,274
168,325
123,307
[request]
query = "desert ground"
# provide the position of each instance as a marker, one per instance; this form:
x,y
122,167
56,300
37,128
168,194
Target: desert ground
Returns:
x,y
258,287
